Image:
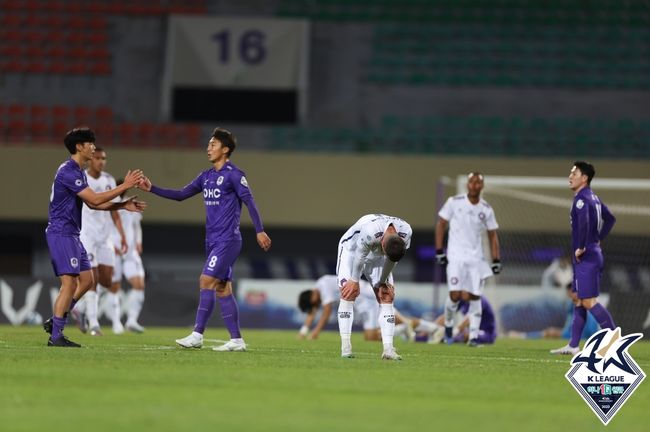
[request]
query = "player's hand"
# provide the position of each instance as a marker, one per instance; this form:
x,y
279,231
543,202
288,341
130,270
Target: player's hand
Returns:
x,y
138,247
264,241
350,290
496,266
124,246
441,257
145,184
579,253
132,178
131,204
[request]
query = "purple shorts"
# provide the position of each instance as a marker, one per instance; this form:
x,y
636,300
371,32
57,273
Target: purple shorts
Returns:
x,y
221,258
68,254
586,274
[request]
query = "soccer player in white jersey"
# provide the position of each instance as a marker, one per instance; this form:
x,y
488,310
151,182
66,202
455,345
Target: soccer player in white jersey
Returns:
x,y
128,265
371,247
96,238
467,216
326,293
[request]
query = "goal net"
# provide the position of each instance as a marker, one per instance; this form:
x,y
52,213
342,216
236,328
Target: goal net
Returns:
x,y
535,234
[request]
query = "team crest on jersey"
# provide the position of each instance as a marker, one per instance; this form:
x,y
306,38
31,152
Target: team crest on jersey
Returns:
x,y
481,215
454,280
74,262
243,182
78,182
580,204
219,180
604,373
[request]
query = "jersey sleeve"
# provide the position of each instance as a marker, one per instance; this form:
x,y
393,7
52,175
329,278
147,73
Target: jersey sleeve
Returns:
x,y
446,212
327,292
188,191
582,222
608,221
240,185
405,233
74,180
491,220
363,247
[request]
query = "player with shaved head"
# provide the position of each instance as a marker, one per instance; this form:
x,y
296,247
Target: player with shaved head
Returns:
x,y
371,247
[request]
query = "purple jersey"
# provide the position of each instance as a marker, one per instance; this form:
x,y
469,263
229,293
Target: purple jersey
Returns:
x,y
223,193
488,321
65,205
591,220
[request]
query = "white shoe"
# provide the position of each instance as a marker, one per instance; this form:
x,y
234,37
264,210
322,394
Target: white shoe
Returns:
x,y
231,345
566,350
391,354
194,340
118,328
346,351
134,327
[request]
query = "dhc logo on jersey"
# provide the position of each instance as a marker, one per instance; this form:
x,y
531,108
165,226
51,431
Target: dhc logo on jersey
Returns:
x,y
604,373
212,193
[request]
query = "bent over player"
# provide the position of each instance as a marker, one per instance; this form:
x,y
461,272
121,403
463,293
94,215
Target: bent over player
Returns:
x,y
224,188
371,247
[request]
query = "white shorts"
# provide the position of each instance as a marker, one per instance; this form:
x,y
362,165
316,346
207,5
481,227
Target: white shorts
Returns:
x,y
467,276
99,252
129,265
367,311
372,271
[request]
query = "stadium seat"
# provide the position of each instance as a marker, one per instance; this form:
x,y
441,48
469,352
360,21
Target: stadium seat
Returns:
x,y
17,131
83,115
38,113
39,132
60,114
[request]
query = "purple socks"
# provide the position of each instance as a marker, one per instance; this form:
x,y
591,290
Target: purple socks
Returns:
x,y
230,315
602,316
578,324
207,301
57,327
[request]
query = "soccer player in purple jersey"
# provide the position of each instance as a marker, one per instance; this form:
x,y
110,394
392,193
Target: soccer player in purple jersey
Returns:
x,y
69,259
223,187
591,221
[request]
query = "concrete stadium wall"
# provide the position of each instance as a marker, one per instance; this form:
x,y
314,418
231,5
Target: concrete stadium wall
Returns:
x,y
297,190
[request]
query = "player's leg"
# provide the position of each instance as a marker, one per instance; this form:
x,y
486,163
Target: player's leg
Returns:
x,y
386,295
577,322
207,301
92,306
346,305
134,272
455,283
368,309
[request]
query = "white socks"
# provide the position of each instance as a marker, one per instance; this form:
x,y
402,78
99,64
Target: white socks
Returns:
x,y
135,302
387,325
91,298
114,310
475,311
346,316
450,311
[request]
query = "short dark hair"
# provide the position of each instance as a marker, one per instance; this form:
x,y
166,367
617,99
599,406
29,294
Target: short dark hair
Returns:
x,y
587,169
395,248
226,138
78,136
304,301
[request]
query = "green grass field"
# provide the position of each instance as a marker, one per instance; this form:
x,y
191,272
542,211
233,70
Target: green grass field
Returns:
x,y
144,383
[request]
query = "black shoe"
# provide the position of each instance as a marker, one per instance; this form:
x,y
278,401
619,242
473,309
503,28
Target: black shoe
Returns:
x,y
47,326
62,342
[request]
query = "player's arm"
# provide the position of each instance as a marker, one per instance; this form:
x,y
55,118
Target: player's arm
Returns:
x,y
137,229
495,249
244,193
322,322
309,319
441,228
100,200
608,221
177,195
117,220
582,228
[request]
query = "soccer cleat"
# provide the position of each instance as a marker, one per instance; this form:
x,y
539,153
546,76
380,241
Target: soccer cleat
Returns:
x,y
62,342
96,331
134,327
194,340
566,350
391,354
47,325
474,343
231,345
80,319
118,328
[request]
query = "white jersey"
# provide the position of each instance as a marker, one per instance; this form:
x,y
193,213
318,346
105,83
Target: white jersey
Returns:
x,y
362,244
96,224
466,224
132,230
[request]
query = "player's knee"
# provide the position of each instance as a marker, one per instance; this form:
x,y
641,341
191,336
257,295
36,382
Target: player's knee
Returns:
x,y
385,293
